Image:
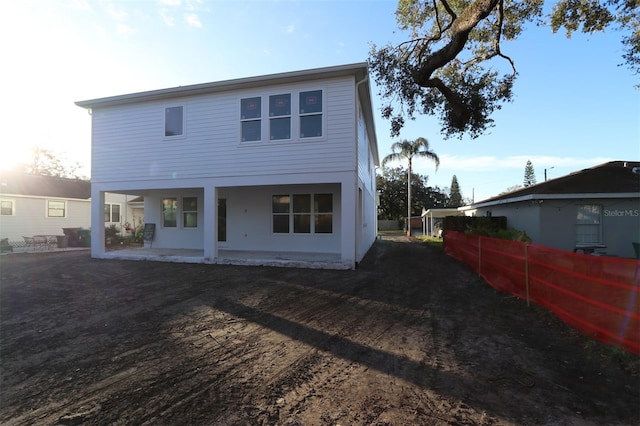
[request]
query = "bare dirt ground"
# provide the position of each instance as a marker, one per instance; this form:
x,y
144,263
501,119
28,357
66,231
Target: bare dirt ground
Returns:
x,y
411,337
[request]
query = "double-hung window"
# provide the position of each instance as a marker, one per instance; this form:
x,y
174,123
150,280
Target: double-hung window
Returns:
x,y
56,208
170,212
173,121
280,117
250,119
294,115
6,208
281,209
190,212
310,110
323,213
588,224
112,213
302,213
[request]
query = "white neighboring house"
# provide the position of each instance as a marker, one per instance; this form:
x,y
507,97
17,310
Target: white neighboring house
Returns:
x,y
276,169
42,205
35,205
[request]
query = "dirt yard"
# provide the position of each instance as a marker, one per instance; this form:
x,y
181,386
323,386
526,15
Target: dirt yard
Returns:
x,y
412,337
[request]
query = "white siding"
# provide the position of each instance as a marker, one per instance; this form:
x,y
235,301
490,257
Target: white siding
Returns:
x,y
248,220
129,143
367,183
30,217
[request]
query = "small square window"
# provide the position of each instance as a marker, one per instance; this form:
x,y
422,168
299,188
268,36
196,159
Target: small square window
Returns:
x,y
311,126
6,208
281,224
250,108
56,209
251,131
173,121
280,105
280,204
280,128
324,223
311,102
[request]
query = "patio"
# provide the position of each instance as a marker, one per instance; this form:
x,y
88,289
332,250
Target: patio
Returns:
x,y
231,257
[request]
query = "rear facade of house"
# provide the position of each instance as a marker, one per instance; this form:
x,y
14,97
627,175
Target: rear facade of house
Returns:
x,y
279,166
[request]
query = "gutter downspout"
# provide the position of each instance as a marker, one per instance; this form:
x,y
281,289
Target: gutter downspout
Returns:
x,y
355,132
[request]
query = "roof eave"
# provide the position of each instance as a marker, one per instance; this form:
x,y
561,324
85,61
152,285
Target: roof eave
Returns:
x,y
530,197
360,70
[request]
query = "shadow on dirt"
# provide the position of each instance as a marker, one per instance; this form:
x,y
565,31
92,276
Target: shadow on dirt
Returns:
x,y
411,337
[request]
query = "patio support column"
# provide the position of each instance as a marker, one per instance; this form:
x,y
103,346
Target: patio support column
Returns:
x,y
210,212
97,222
348,232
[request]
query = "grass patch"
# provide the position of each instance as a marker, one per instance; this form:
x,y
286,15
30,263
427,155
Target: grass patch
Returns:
x,y
432,241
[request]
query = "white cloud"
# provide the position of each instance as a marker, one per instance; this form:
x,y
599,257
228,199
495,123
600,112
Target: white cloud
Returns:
x,y
193,20
171,2
117,13
125,29
167,18
289,29
77,4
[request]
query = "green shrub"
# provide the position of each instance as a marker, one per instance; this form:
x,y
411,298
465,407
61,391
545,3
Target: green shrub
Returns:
x,y
510,233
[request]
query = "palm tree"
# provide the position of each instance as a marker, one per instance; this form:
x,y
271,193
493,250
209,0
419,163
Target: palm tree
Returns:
x,y
405,149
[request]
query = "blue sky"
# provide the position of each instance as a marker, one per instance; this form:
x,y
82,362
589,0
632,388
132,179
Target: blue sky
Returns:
x,y
574,106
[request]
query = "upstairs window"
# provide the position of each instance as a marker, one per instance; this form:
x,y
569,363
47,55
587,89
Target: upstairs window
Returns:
x,y
280,117
173,121
6,208
310,114
250,119
56,209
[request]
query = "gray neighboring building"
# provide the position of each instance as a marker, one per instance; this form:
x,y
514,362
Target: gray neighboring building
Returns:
x,y
595,210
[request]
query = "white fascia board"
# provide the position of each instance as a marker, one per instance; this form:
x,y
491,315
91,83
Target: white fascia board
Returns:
x,y
357,69
532,197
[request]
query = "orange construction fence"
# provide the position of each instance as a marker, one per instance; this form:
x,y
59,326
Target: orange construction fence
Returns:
x,y
597,295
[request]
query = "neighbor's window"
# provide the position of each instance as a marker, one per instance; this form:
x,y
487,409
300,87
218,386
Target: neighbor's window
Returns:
x,y
112,213
281,209
588,220
190,212
280,117
250,119
6,208
56,209
173,121
309,213
311,114
170,212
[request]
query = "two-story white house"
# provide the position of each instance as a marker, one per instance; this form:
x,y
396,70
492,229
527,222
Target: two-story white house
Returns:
x,y
276,169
